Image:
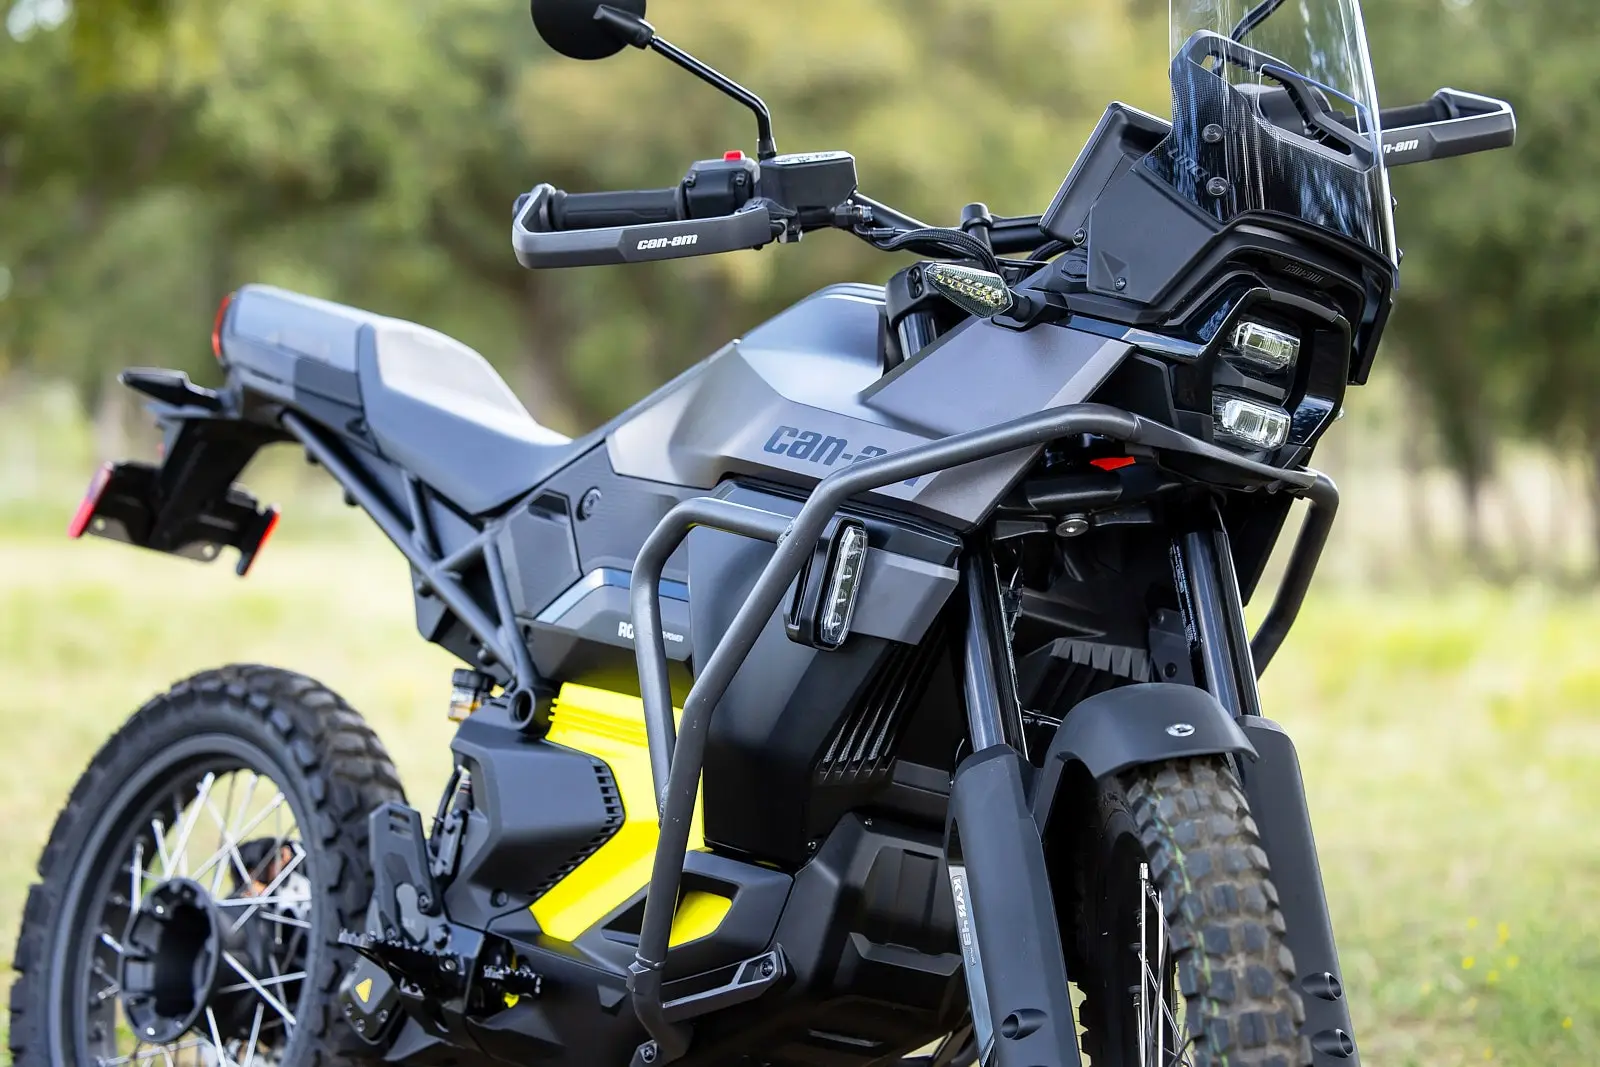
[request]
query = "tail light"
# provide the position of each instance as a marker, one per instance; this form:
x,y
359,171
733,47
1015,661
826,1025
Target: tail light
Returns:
x,y
216,326
91,501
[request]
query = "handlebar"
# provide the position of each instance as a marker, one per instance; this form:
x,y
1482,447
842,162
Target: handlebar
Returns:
x,y
1452,123
631,207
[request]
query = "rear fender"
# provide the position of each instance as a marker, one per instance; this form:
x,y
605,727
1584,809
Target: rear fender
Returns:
x,y
1135,725
187,504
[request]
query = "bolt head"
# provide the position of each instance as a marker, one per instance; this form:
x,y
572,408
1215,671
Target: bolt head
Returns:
x,y
1217,187
1120,284
588,503
647,1052
1072,526
1080,236
1211,134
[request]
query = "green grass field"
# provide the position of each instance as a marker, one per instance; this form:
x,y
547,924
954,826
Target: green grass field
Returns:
x,y
1451,746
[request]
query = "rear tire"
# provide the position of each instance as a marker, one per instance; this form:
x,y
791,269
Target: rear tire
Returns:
x,y
278,727
1180,834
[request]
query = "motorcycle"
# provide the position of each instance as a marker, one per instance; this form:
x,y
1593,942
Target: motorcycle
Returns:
x,y
853,698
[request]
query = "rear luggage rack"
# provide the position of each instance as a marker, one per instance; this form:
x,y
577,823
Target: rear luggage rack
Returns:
x,y
677,756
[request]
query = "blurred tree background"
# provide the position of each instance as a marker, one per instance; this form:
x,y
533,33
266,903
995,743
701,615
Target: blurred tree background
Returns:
x,y
156,153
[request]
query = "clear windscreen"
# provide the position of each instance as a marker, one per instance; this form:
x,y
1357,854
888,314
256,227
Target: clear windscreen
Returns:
x,y
1275,110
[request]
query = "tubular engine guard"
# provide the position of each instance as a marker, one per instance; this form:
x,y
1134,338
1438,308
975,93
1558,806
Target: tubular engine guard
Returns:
x,y
677,757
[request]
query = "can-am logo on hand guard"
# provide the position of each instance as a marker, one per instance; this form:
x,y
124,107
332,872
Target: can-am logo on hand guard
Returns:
x,y
1402,146
679,241
815,447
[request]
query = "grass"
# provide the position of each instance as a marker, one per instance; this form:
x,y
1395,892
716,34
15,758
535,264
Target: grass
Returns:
x,y
1451,747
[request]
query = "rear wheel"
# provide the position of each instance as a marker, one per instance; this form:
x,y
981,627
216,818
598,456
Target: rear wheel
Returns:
x,y
193,889
1180,939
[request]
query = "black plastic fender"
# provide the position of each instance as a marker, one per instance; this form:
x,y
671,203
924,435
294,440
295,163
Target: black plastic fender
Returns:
x,y
1133,725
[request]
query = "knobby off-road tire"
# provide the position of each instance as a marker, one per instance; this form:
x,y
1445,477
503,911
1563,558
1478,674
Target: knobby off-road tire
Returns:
x,y
1187,825
274,726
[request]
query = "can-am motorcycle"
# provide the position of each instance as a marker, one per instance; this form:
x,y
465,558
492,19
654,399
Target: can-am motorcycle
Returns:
x,y
851,699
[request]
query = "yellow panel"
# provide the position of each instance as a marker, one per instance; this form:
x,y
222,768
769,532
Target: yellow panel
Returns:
x,y
699,914
610,727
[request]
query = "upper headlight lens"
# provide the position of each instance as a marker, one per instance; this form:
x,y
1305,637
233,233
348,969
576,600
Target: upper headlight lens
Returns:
x,y
1265,346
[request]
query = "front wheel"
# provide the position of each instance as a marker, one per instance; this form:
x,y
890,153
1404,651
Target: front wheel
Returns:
x,y
1180,938
193,888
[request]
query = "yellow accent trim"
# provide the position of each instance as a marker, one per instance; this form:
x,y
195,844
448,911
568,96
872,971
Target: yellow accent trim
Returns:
x,y
699,914
364,989
610,727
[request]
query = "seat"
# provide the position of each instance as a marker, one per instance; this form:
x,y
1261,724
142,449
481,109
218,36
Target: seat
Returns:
x,y
433,405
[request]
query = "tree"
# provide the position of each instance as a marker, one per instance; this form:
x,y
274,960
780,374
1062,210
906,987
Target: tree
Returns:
x,y
370,150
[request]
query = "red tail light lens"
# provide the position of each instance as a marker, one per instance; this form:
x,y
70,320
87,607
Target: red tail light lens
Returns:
x,y
266,535
216,326
91,500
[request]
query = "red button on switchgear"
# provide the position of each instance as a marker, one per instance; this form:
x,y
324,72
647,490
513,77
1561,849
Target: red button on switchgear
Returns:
x,y
732,155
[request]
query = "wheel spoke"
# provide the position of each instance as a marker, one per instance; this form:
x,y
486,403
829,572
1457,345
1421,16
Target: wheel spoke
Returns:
x,y
257,984
281,919
110,942
137,1056
255,902
136,877
260,990
260,817
181,848
231,847
255,1036
158,830
223,1059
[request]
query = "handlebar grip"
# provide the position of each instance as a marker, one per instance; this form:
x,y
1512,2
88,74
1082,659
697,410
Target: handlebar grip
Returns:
x,y
630,207
1435,110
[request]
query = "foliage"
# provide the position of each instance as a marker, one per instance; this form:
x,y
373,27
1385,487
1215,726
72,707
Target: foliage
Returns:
x,y
158,154
1500,299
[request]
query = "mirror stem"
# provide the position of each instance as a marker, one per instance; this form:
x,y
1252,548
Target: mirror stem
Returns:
x,y
639,33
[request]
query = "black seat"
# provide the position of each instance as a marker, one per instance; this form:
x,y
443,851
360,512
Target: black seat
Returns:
x,y
433,405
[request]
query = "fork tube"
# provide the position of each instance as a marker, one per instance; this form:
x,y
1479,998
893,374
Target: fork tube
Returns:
x,y
989,682
1207,601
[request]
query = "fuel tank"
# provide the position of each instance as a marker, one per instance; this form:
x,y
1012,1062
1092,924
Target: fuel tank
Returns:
x,y
804,394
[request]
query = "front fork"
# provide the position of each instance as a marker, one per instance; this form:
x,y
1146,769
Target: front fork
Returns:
x,y
1273,786
1005,912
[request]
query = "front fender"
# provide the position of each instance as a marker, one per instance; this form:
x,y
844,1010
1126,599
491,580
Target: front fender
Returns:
x,y
1133,725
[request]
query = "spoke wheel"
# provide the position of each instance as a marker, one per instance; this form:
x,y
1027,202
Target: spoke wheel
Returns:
x,y
195,885
1180,939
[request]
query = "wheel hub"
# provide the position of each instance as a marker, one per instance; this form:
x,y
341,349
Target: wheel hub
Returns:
x,y
171,960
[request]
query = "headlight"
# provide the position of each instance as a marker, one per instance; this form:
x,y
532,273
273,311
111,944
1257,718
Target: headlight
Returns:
x,y
1250,422
1265,346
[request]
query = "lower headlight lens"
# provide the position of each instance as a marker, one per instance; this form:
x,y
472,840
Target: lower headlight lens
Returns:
x,y
1250,422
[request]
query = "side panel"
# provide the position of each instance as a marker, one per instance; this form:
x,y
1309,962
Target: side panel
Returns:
x,y
802,734
775,406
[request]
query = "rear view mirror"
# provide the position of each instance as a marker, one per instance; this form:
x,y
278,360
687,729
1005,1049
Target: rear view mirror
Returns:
x,y
570,26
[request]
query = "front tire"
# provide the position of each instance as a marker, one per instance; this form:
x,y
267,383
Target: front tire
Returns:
x,y
1180,934
229,909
